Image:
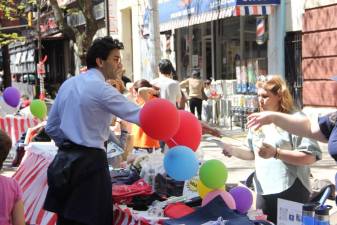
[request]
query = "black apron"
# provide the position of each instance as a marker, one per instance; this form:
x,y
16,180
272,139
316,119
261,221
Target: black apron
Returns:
x,y
79,185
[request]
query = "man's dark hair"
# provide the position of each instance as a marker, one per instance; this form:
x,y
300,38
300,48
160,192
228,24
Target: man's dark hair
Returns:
x,y
101,48
5,146
165,66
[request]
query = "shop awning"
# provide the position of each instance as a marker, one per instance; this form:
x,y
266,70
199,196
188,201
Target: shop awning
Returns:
x,y
175,14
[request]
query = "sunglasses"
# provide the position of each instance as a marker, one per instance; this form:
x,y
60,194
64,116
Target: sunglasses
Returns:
x,y
264,78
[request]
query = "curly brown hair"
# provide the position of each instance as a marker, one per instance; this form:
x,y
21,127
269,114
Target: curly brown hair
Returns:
x,y
276,85
5,147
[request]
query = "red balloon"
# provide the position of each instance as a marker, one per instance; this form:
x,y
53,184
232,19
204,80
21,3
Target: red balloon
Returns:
x,y
189,132
159,119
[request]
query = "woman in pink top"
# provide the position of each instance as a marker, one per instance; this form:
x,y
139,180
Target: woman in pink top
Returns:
x,y
11,205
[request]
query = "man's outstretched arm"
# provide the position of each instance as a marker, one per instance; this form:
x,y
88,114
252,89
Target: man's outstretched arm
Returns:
x,y
296,124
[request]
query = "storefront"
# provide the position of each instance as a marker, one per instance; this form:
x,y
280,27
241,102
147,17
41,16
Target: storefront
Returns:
x,y
231,42
218,36
217,47
23,67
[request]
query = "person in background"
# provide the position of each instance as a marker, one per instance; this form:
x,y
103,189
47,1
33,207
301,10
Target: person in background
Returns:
x,y
1,81
121,75
182,103
79,123
122,127
142,143
195,91
169,88
282,159
25,101
131,93
207,104
11,204
118,84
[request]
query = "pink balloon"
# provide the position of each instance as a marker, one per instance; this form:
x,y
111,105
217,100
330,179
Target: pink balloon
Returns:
x,y
227,197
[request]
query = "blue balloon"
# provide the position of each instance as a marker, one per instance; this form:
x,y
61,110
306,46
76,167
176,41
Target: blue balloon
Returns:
x,y
181,163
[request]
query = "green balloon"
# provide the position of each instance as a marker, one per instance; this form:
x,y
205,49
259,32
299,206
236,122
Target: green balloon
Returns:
x,y
213,174
38,108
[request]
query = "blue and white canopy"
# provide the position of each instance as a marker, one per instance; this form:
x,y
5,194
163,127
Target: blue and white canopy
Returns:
x,y
174,14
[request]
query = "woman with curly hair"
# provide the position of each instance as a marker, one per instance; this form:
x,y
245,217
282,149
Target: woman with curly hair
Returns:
x,y
281,159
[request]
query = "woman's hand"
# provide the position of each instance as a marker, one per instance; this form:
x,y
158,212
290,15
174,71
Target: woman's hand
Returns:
x,y
267,151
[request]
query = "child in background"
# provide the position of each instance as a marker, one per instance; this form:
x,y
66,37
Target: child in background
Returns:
x,y
142,142
11,204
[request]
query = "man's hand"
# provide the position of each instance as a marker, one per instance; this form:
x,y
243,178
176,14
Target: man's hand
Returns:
x,y
206,129
125,126
266,151
227,150
257,120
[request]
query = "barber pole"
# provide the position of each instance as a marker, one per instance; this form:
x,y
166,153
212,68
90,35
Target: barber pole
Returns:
x,y
260,30
41,72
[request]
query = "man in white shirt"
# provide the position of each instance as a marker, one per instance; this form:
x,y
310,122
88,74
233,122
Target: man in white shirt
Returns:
x,y
169,88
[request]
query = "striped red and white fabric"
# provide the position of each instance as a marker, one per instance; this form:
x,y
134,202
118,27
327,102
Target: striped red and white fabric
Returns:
x,y
124,216
14,126
32,178
246,10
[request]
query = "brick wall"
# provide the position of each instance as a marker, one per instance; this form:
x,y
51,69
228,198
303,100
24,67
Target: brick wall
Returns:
x,y
319,56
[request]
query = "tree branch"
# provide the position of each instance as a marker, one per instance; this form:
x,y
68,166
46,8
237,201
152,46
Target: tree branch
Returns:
x,y
68,31
88,12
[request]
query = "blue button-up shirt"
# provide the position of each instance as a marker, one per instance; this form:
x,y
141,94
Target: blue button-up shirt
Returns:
x,y
83,110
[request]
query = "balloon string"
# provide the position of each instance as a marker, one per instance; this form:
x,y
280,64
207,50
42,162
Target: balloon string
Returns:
x,y
171,139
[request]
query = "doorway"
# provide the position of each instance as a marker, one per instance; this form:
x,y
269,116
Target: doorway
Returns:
x,y
207,57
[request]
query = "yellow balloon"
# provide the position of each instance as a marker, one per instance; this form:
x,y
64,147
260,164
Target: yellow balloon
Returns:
x,y
204,190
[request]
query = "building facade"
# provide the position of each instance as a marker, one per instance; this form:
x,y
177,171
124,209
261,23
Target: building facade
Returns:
x,y
209,35
61,60
216,36
319,56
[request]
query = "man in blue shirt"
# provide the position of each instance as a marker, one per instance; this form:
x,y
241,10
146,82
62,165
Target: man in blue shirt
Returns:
x,y
80,190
